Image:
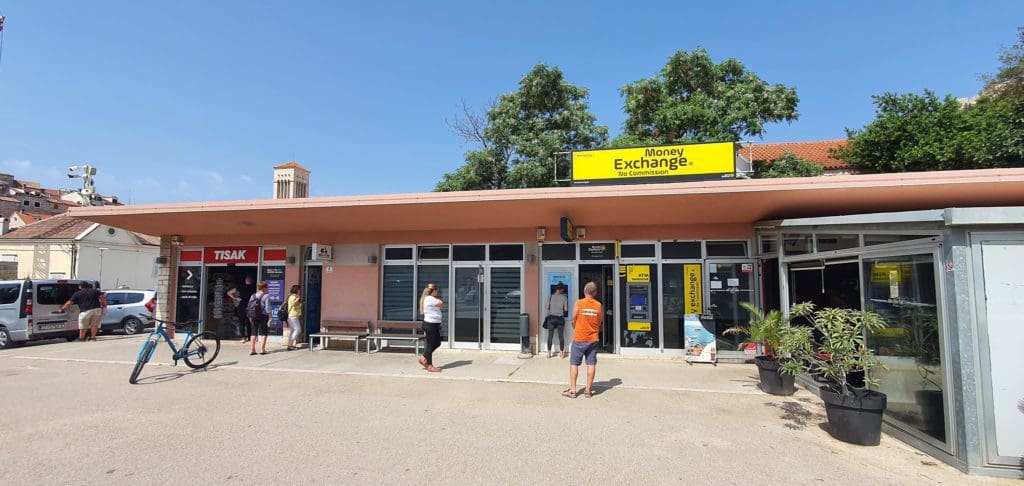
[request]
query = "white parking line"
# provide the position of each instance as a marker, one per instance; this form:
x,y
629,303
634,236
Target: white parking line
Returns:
x,y
434,376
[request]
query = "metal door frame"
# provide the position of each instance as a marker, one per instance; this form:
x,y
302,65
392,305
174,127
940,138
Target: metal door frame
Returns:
x,y
481,287
755,295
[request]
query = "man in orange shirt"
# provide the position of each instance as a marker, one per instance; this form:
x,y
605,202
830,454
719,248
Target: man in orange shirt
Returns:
x,y
586,322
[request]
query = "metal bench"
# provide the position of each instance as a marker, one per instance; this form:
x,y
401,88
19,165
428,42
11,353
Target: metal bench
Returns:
x,y
341,329
394,333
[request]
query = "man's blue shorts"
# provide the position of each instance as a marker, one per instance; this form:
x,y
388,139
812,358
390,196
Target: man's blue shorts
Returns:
x,y
579,350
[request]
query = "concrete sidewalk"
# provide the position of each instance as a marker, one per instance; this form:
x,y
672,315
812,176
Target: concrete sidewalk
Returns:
x,y
492,366
488,418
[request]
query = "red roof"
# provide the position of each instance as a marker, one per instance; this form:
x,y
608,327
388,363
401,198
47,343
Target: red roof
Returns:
x,y
61,226
816,152
291,165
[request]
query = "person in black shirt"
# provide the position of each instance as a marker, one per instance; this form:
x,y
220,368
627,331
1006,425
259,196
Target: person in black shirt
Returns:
x,y
241,295
91,305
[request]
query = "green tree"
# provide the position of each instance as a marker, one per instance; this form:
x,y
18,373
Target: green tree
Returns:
x,y
914,132
911,132
695,100
521,133
788,165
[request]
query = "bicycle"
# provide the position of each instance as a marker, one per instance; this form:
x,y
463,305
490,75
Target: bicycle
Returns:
x,y
198,352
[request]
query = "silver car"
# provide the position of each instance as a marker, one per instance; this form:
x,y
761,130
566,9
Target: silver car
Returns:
x,y
28,310
128,310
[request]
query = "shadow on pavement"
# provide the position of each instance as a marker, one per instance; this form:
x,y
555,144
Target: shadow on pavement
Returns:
x,y
603,386
796,415
456,364
165,377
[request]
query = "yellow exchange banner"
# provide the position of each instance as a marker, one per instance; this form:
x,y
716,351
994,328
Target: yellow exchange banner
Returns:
x,y
663,163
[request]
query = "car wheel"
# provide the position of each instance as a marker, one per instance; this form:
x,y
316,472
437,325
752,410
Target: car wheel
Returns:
x,y
5,339
132,325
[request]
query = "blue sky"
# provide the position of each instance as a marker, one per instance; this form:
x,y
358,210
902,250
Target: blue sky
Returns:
x,y
197,100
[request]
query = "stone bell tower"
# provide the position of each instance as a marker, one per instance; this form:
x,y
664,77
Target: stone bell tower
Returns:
x,y
291,181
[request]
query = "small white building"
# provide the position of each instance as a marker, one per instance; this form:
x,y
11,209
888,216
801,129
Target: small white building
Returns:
x,y
66,247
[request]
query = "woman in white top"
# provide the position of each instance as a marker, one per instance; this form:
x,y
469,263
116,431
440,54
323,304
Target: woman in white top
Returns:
x,y
430,306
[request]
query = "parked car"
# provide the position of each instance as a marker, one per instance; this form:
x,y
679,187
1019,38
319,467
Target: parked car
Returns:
x,y
28,310
129,310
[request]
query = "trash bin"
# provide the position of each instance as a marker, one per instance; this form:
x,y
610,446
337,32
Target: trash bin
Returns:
x,y
524,336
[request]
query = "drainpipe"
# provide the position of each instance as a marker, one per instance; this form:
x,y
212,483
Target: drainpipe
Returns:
x,y
74,259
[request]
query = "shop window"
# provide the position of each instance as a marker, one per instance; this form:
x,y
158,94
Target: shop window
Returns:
x,y
870,240
836,242
681,250
636,251
7,257
796,244
506,253
437,275
727,249
433,252
903,291
398,293
558,251
469,253
398,254
769,244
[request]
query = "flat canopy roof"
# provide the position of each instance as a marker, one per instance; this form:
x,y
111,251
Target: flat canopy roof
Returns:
x,y
691,203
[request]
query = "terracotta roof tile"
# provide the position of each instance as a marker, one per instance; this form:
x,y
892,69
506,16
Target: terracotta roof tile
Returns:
x,y
29,217
60,227
291,165
815,151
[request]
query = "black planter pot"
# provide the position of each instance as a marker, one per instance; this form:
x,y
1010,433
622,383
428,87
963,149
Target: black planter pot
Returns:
x,y
855,418
772,381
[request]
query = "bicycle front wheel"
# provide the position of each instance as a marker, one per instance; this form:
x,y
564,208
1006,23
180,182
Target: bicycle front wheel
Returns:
x,y
201,350
147,351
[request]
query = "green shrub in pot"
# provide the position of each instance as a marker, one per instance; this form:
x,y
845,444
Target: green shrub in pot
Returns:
x,y
777,342
854,413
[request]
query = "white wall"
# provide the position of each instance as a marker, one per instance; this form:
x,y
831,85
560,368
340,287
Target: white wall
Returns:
x,y
125,261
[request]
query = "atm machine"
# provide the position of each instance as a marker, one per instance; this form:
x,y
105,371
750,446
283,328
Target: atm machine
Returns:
x,y
640,329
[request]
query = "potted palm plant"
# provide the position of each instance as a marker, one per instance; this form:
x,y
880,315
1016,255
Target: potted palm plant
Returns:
x,y
854,412
776,342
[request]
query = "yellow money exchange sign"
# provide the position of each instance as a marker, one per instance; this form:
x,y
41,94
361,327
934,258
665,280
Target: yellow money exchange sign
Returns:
x,y
654,164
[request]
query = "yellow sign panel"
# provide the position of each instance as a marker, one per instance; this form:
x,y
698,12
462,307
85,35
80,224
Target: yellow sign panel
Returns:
x,y
638,326
638,273
693,293
654,164
882,272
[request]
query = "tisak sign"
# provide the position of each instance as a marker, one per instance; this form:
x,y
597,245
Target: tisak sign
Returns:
x,y
667,163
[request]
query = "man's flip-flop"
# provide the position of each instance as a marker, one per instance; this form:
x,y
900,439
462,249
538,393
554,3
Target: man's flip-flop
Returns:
x,y
433,369
588,394
423,361
568,393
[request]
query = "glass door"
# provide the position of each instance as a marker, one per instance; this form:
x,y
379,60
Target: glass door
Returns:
x,y
729,283
467,307
504,307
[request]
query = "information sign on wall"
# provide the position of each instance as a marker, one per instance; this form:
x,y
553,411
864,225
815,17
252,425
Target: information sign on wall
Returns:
x,y
668,163
222,255
187,295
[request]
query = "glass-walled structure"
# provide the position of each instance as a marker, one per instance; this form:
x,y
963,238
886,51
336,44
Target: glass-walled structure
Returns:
x,y
942,280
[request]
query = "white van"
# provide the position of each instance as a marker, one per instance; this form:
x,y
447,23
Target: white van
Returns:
x,y
28,310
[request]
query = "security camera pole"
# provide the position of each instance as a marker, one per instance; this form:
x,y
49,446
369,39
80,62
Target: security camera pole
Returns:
x,y
86,173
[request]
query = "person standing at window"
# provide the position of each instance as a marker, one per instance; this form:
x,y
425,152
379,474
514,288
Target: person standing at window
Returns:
x,y
241,295
430,306
294,316
554,322
257,312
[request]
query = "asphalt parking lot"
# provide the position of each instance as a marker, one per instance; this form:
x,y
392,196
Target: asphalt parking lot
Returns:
x,y
300,417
